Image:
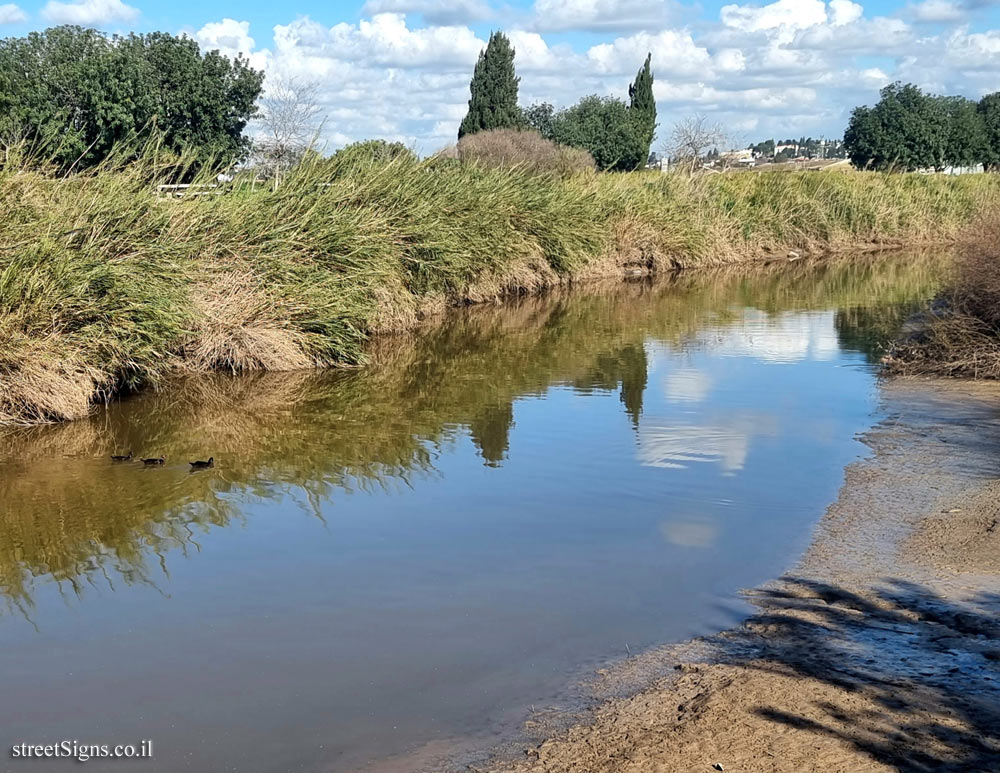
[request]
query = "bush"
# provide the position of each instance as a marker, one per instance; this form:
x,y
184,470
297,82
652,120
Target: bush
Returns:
x,y
528,150
959,335
369,152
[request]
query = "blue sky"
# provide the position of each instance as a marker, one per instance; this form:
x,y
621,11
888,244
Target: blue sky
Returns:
x,y
399,69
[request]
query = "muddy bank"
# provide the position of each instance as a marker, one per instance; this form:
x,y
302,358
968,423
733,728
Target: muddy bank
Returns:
x,y
879,651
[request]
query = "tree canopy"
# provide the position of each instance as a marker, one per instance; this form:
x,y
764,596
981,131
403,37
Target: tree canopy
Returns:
x,y
493,90
642,101
75,93
965,143
989,111
614,134
908,130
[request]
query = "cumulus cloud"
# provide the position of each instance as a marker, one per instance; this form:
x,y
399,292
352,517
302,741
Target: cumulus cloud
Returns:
x,y
231,38
89,12
785,68
676,53
878,36
384,40
793,14
946,11
442,12
937,11
11,14
604,15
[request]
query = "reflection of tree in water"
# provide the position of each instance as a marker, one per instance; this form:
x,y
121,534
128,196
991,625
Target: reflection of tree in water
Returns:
x,y
634,374
490,432
623,369
870,330
309,437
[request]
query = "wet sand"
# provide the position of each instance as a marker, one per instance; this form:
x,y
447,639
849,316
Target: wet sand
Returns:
x,y
879,651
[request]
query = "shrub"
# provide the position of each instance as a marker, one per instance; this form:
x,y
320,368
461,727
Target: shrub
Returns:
x,y
959,335
506,148
368,152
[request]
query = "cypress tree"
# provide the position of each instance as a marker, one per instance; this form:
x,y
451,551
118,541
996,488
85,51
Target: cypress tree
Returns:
x,y
642,101
493,100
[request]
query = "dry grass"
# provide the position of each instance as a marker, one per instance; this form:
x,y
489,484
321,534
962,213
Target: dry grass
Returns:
x,y
526,150
236,329
959,334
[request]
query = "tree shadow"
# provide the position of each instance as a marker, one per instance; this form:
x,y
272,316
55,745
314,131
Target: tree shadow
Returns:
x,y
930,665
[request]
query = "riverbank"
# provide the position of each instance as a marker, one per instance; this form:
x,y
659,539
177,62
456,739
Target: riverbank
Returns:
x,y
877,652
104,287
959,332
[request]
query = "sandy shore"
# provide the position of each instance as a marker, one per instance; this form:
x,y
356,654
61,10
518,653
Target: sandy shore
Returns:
x,y
880,651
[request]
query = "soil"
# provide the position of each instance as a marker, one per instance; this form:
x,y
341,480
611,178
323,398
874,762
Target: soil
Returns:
x,y
880,651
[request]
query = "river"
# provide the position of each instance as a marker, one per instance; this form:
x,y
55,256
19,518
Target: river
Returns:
x,y
413,555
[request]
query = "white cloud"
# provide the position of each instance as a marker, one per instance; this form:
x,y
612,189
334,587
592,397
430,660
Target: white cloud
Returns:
x,y
228,36
443,12
88,12
934,11
533,54
604,15
12,14
875,77
231,38
383,40
878,36
786,68
676,53
793,14
844,12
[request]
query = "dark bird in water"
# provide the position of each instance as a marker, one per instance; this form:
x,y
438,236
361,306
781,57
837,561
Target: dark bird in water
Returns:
x,y
127,457
202,465
153,460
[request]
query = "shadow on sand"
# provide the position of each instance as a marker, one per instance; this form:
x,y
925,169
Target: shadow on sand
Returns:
x,y
922,671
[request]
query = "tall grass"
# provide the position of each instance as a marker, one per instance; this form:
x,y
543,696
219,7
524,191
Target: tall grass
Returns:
x,y
104,286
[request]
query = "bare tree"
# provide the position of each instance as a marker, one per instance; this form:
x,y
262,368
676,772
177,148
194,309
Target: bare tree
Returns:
x,y
692,138
290,121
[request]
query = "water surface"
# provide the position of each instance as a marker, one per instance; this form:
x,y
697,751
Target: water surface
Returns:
x,y
396,557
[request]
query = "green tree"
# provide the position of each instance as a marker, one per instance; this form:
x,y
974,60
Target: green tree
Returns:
x,y
765,148
74,94
641,98
905,130
493,90
607,128
541,118
989,109
202,102
967,143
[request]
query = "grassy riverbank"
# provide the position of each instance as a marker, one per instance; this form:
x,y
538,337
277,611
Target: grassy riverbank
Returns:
x,y
103,286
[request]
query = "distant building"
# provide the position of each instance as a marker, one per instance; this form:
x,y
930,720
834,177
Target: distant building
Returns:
x,y
954,170
656,161
738,157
